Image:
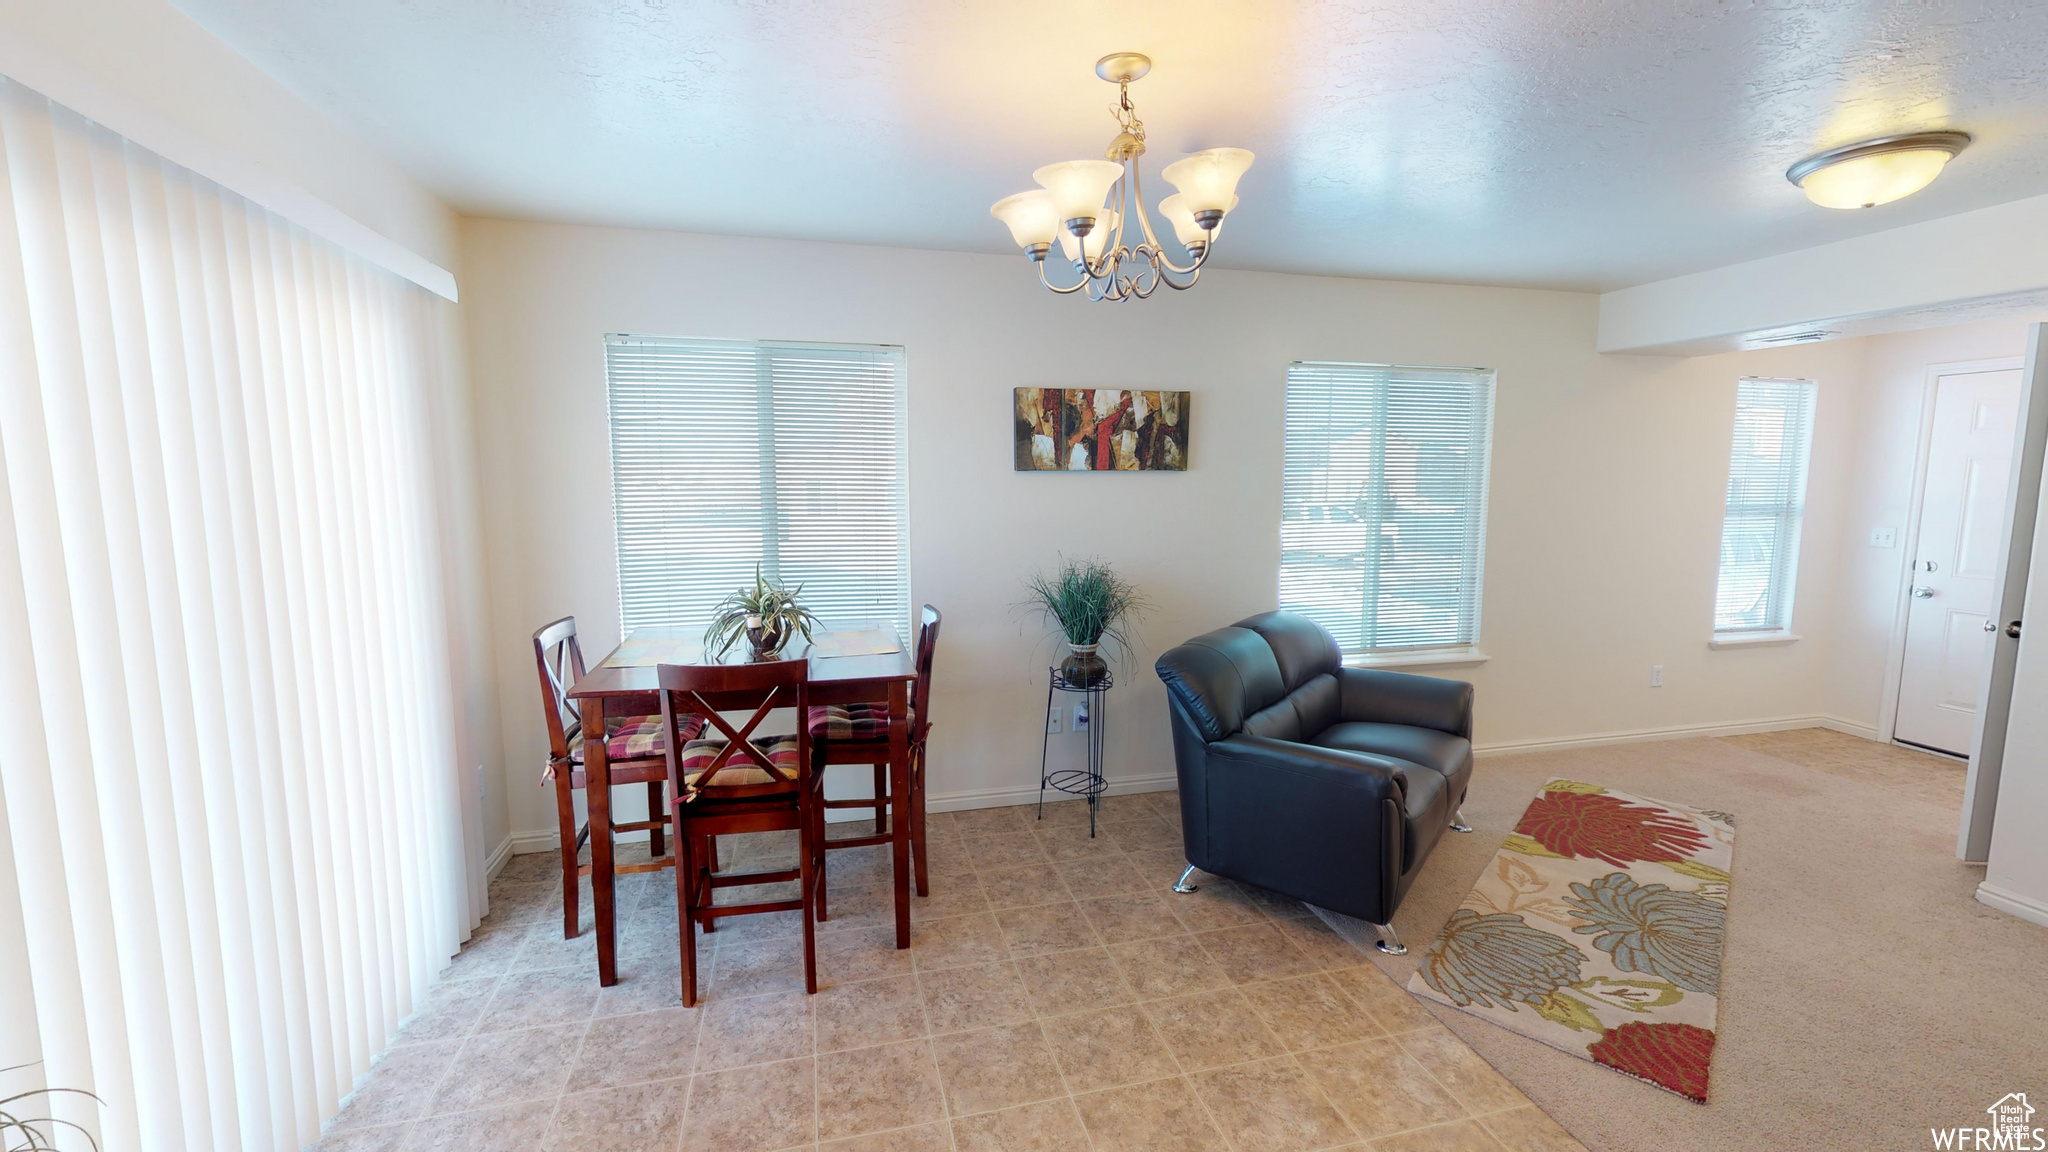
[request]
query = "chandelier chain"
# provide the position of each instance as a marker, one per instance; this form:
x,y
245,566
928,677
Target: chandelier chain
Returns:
x,y
1126,113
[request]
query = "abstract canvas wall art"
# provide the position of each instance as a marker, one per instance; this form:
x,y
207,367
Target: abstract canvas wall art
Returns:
x,y
1101,430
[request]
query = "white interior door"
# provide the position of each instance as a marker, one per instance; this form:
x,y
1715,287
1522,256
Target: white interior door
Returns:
x,y
1955,568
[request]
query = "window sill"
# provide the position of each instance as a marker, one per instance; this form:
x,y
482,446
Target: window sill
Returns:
x,y
1753,640
1417,658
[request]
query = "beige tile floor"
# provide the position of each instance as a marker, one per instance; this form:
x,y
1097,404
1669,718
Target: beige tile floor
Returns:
x,y
1056,997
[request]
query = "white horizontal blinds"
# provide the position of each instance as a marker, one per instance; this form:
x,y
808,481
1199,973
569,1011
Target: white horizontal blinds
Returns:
x,y
1383,502
686,475
1766,505
726,454
231,795
840,524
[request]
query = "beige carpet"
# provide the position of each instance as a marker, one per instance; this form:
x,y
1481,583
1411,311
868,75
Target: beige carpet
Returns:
x,y
1866,996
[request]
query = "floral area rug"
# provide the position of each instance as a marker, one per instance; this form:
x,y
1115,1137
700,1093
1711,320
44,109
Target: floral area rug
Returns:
x,y
1597,929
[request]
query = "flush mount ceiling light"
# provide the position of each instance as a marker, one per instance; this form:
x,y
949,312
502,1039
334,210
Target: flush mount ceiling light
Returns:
x,y
1069,206
1876,171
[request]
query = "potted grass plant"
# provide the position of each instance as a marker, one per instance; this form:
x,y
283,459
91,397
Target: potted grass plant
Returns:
x,y
767,614
1092,606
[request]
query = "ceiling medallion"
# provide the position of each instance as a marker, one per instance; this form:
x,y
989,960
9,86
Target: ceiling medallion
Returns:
x,y
1873,172
1089,206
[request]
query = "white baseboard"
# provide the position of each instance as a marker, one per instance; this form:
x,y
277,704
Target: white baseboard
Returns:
x,y
1674,732
1849,727
1870,732
1005,797
548,840
543,840
2012,903
495,862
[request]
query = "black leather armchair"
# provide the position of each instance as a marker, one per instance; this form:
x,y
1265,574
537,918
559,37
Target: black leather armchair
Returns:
x,y
1325,783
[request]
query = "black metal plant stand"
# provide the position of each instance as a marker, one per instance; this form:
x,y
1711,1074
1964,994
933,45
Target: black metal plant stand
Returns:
x,y
1082,782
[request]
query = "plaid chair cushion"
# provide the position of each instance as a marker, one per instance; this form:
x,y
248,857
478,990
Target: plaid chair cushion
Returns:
x,y
851,722
636,737
741,769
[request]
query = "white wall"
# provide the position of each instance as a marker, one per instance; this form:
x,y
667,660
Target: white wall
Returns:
x,y
1863,662
1608,476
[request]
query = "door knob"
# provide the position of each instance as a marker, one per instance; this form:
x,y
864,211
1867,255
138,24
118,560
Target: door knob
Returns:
x,y
2013,629
1991,625
1923,593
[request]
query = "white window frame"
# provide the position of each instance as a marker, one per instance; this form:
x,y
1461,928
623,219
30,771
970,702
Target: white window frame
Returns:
x,y
1314,405
640,538
1758,491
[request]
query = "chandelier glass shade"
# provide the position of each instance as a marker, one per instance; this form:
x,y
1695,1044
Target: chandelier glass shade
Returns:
x,y
1208,180
1185,228
1095,209
1030,216
1078,186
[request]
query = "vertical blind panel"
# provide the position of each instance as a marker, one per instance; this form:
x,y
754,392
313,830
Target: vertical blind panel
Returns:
x,y
728,454
229,775
1383,502
1766,505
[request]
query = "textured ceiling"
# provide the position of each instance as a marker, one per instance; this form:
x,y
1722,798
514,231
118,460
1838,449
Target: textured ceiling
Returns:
x,y
1560,143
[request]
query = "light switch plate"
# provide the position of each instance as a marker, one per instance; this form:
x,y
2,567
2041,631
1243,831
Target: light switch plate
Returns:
x,y
1884,537
1052,722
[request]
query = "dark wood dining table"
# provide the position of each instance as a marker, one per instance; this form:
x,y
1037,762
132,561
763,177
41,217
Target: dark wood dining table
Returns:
x,y
623,684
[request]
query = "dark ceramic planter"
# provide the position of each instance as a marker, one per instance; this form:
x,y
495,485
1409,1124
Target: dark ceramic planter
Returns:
x,y
1084,666
765,645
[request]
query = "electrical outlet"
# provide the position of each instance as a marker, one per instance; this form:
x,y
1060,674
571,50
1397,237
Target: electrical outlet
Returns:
x,y
1884,537
1080,718
1052,722
1656,675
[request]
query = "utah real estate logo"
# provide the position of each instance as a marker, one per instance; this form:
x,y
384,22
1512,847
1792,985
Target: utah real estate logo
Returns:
x,y
2011,1128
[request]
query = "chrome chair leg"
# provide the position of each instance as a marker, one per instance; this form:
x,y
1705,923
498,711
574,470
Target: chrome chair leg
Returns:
x,y
1181,885
1458,821
1389,942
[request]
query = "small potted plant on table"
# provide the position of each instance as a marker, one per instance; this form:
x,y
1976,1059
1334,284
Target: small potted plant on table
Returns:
x,y
767,614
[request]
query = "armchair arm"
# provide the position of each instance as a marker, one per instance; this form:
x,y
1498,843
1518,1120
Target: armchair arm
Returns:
x,y
1319,824
1343,776
1375,696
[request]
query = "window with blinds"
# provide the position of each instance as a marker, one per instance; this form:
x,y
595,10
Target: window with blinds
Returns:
x,y
727,454
1766,505
1383,502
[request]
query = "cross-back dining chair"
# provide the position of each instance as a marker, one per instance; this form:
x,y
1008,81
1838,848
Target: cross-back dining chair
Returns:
x,y
859,734
633,749
735,782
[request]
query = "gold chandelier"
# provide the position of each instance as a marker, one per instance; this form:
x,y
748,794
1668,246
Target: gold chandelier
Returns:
x,y
1089,206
